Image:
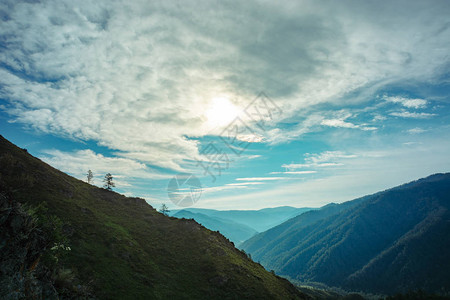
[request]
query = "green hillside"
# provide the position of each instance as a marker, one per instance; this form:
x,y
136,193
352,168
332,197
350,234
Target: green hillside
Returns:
x,y
122,248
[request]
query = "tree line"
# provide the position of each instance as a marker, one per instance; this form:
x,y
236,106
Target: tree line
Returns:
x,y
108,180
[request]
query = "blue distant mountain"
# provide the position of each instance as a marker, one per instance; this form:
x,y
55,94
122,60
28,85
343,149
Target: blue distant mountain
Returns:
x,y
240,225
235,232
393,241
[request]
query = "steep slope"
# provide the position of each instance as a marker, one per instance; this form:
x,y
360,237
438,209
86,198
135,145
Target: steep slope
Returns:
x,y
389,242
259,220
235,232
123,249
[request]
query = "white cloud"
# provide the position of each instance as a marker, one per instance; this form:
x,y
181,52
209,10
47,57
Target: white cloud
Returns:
x,y
324,159
411,143
77,163
407,102
221,188
417,130
338,123
341,122
259,178
365,174
245,183
294,172
412,115
378,117
309,124
310,165
250,138
327,156
137,77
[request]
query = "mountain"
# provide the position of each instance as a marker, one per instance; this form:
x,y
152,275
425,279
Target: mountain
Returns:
x,y
235,232
259,220
393,241
99,243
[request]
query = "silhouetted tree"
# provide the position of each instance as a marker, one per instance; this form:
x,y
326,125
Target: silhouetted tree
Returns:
x,y
109,184
164,210
90,176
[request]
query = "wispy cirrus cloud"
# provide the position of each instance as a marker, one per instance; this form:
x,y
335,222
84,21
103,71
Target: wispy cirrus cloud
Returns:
x,y
324,159
259,178
417,130
341,123
294,172
407,102
338,123
412,115
245,183
310,165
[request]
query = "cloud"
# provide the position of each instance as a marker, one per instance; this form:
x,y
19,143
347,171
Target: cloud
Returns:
x,y
77,163
327,156
338,123
245,183
221,188
378,118
250,138
259,178
407,102
412,115
317,160
417,130
138,77
341,122
294,172
237,185
364,174
411,143
309,123
310,165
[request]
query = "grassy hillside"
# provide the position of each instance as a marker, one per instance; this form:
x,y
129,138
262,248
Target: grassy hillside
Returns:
x,y
393,241
125,249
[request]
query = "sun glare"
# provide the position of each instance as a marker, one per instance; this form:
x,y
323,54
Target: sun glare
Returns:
x,y
221,111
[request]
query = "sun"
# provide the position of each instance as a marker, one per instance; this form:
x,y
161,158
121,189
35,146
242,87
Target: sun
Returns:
x,y
221,112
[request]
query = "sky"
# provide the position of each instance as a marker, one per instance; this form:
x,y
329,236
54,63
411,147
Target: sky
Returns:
x,y
297,103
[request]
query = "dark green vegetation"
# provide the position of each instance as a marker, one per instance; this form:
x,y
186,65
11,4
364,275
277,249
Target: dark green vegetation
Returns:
x,y
393,241
121,248
32,243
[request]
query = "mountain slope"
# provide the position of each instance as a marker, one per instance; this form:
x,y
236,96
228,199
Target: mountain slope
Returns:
x,y
389,242
270,241
124,249
235,232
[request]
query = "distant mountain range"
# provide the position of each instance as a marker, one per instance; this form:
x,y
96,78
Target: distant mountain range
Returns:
x,y
393,241
240,225
61,238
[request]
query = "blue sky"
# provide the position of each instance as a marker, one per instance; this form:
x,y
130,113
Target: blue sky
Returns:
x,y
357,95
